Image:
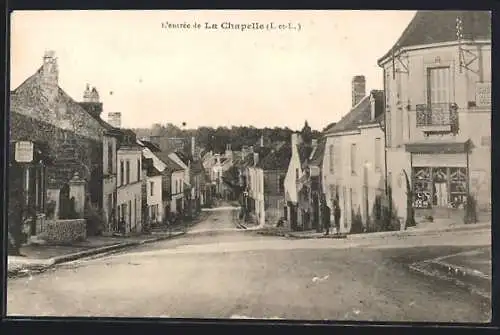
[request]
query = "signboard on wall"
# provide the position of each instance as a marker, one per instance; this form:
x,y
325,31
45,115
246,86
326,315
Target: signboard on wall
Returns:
x,y
483,94
24,152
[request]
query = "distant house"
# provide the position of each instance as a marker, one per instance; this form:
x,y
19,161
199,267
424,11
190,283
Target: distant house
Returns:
x,y
353,164
129,185
173,184
298,216
273,169
312,183
255,185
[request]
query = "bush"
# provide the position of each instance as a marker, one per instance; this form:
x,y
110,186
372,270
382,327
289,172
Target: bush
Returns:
x,y
470,215
384,218
95,220
356,222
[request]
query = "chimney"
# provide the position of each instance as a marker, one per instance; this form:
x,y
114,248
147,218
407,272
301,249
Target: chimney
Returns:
x,y
50,76
372,105
358,89
91,102
255,158
115,119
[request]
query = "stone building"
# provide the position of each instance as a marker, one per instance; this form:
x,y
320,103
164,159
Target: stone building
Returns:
x,y
41,112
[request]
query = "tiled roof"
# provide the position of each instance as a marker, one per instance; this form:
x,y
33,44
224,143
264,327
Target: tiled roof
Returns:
x,y
318,154
277,159
169,162
360,114
438,26
151,146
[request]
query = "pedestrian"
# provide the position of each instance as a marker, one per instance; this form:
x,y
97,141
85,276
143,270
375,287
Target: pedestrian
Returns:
x,y
336,215
326,218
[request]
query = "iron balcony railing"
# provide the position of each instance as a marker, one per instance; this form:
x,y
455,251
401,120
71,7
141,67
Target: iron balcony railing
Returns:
x,y
437,114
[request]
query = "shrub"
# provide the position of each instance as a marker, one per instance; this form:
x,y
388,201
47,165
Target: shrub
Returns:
x,y
356,222
470,215
95,220
384,218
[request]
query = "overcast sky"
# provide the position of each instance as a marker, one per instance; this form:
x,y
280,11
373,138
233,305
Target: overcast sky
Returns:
x,y
210,77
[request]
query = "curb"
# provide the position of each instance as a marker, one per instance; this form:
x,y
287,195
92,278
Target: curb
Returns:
x,y
447,272
83,254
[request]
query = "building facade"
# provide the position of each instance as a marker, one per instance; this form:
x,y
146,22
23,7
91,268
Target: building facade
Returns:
x,y
129,184
438,113
353,168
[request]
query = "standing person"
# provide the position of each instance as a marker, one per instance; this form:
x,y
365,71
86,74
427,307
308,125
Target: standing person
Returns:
x,y
326,218
336,214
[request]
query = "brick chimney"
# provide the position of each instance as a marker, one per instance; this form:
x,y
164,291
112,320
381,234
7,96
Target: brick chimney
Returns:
x,y
50,76
358,89
91,102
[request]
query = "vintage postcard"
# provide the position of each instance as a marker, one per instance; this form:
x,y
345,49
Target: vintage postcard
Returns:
x,y
312,165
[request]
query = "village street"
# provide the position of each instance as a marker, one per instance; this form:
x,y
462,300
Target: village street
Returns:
x,y
218,271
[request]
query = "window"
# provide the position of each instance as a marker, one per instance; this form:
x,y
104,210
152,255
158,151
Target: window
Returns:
x,y
176,186
296,174
151,188
122,173
331,158
138,170
110,158
281,184
353,158
438,86
127,172
378,154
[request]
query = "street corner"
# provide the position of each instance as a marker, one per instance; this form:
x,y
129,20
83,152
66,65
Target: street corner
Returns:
x,y
21,268
470,270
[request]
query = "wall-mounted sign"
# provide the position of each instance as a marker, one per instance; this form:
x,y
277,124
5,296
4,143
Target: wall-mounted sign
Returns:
x,y
483,94
24,152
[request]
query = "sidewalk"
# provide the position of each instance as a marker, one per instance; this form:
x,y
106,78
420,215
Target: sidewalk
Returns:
x,y
471,270
420,230
41,257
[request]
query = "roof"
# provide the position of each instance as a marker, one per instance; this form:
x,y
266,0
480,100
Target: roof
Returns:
x,y
277,159
304,152
439,26
318,154
151,146
360,114
171,165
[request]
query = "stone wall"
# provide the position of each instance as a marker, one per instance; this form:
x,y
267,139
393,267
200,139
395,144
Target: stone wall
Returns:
x,y
64,231
71,152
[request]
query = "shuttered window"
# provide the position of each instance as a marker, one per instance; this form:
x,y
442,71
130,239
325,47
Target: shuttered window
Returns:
x,y
378,154
331,158
438,85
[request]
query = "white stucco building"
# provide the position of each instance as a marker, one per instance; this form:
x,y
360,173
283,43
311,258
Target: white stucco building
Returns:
x,y
353,169
129,184
437,81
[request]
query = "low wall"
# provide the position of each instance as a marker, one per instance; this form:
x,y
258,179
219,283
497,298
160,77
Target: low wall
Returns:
x,y
65,231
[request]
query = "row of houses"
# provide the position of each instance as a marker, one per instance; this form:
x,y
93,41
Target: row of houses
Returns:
x,y
421,146
66,162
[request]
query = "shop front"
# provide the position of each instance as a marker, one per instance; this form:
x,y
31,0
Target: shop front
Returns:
x,y
440,181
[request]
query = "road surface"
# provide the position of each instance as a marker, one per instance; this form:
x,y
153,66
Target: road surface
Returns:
x,y
218,271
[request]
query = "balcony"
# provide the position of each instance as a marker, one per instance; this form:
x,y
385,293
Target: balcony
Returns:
x,y
437,118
